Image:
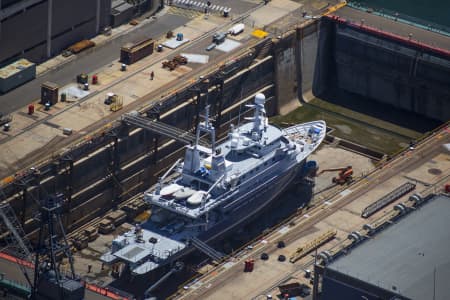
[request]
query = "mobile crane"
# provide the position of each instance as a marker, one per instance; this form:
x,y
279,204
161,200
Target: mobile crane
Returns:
x,y
344,175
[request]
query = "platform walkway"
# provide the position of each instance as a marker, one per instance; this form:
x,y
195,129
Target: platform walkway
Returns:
x,y
408,32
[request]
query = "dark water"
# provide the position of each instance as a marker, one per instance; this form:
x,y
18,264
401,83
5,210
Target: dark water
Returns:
x,y
434,11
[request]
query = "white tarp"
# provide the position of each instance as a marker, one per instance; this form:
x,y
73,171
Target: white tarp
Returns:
x,y
74,92
173,43
196,58
228,45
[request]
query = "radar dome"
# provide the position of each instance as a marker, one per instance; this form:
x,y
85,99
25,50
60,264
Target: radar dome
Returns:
x,y
260,98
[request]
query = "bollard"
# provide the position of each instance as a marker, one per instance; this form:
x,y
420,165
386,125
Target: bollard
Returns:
x,y
123,68
30,109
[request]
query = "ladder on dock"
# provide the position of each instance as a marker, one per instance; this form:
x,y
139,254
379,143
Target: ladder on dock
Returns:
x,y
170,131
203,247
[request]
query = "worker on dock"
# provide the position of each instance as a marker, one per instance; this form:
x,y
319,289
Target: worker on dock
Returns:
x,y
152,75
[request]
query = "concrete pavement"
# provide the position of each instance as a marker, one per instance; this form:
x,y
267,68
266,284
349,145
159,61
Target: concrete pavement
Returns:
x,y
87,62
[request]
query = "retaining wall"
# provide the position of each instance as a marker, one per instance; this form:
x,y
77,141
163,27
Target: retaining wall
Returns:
x,y
380,67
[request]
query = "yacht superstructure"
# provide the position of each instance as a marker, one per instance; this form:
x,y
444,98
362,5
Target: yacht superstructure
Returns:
x,y
215,189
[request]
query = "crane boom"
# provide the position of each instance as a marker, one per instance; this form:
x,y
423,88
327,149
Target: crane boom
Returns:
x,y
16,239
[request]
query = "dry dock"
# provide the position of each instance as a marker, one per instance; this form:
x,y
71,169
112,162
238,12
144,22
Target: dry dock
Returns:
x,y
103,163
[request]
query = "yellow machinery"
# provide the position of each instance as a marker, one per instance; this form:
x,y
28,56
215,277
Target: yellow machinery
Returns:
x,y
314,244
116,103
260,34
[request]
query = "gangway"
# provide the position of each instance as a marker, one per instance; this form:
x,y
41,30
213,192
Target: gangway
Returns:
x,y
388,198
203,247
172,132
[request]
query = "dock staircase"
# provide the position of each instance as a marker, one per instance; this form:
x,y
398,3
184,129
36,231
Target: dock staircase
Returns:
x,y
265,49
170,131
203,247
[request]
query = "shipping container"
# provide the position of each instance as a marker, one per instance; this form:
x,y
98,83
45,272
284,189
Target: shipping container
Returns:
x,y
132,52
16,74
49,93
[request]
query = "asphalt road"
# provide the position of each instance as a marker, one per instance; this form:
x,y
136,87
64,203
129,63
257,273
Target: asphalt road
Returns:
x,y
87,62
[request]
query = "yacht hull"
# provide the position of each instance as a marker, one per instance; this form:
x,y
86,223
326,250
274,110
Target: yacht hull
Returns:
x,y
251,206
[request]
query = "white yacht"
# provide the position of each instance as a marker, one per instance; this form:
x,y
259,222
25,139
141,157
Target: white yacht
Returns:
x,y
216,189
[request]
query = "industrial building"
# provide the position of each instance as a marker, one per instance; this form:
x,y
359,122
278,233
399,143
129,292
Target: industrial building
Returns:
x,y
408,260
39,29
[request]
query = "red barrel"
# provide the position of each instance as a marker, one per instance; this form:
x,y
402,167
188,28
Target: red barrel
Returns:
x,y
94,79
249,265
447,188
30,109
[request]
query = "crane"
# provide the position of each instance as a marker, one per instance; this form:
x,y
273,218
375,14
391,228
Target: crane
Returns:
x,y
15,240
48,282
344,175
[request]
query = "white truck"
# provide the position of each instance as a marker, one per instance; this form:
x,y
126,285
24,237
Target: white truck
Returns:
x,y
236,29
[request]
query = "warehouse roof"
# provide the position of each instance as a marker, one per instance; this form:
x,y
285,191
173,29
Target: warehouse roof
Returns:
x,y
15,67
411,258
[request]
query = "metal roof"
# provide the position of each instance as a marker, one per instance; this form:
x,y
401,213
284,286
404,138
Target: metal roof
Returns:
x,y
15,67
411,258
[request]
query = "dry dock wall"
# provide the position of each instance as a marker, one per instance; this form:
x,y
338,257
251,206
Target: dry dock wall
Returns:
x,y
116,164
354,60
295,58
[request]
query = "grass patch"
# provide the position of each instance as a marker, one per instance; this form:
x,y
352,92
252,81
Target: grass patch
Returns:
x,y
362,129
